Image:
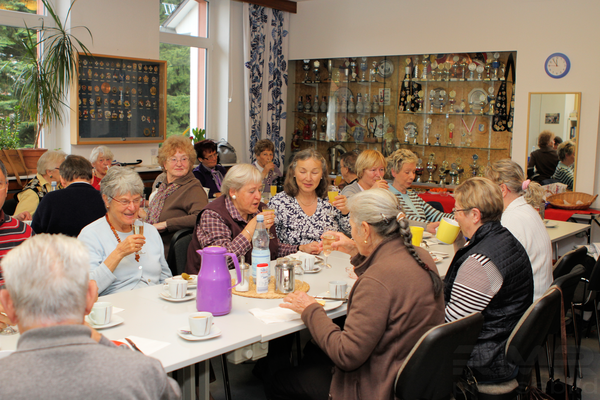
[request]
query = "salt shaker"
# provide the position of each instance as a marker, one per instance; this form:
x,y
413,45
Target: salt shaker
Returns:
x,y
244,285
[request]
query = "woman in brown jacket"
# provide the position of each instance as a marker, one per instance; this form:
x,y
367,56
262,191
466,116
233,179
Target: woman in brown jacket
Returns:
x,y
177,196
395,300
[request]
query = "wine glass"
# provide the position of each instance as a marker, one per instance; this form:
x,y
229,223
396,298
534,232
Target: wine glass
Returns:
x,y
9,330
271,236
138,229
328,239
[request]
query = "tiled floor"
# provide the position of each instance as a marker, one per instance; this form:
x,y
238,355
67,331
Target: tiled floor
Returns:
x,y
246,386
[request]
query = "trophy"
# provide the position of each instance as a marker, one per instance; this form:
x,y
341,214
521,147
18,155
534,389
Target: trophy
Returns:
x,y
459,170
431,167
442,98
441,71
463,106
443,172
472,68
451,100
409,102
471,106
437,139
373,72
450,134
329,70
313,128
420,100
407,129
491,101
346,70
434,66
426,133
482,100
453,173
479,71
463,67
431,98
323,133
316,65
502,71
306,68
419,170
424,62
455,68
416,68
336,74
488,67
447,67
474,167
353,69
363,67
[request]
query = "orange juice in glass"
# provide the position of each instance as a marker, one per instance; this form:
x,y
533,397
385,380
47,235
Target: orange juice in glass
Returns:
x,y
333,192
273,190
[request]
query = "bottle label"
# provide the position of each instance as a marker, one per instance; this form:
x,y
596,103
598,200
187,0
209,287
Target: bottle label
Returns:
x,y
260,256
262,279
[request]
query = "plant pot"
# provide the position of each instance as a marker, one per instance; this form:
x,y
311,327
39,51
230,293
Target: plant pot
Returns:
x,y
21,161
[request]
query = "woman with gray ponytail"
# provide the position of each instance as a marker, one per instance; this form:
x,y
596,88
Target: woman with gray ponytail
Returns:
x,y
395,300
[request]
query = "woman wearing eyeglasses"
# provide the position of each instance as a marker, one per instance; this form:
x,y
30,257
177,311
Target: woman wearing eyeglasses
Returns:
x,y
208,172
177,196
119,259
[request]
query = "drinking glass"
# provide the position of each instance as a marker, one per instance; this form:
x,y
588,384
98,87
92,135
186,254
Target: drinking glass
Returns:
x,y
273,190
328,240
268,230
9,330
138,229
332,193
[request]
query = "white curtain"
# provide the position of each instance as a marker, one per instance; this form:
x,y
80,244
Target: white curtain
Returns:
x,y
266,77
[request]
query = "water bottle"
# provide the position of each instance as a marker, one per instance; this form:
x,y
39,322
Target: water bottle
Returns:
x,y
53,186
260,245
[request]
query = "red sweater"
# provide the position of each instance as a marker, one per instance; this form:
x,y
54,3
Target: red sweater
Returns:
x,y
12,233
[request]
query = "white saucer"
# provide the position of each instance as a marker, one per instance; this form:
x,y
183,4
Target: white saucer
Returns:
x,y
188,296
316,269
115,320
214,332
550,223
330,304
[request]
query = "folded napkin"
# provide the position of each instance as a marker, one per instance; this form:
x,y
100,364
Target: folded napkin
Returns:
x,y
147,346
276,314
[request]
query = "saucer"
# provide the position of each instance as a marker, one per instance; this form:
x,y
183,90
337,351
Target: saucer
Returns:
x,y
115,320
315,270
192,283
550,223
188,296
214,332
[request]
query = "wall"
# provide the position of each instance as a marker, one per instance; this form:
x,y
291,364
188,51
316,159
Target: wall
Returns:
x,y
534,28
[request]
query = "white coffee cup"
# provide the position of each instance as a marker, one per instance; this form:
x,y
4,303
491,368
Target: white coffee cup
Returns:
x,y
308,261
177,288
101,313
337,289
200,323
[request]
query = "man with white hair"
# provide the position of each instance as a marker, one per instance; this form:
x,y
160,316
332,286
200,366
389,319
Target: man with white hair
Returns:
x,y
47,294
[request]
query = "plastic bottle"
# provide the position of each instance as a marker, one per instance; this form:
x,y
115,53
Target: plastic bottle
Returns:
x,y
53,186
262,278
260,245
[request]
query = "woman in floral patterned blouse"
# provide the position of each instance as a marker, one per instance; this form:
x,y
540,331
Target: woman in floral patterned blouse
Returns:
x,y
302,212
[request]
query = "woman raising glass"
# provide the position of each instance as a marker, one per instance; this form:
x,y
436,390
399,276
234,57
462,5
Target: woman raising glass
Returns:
x,y
370,169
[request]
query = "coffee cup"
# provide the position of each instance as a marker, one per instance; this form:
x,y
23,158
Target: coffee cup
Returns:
x,y
308,261
448,230
101,313
417,235
200,323
177,288
337,289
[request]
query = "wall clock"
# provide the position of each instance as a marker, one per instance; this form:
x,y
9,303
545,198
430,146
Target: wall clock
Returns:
x,y
557,65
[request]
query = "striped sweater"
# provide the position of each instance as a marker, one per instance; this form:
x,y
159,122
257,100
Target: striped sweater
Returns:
x,y
424,212
12,233
564,174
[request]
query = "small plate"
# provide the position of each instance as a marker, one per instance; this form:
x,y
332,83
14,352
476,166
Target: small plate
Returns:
x,y
192,283
214,332
385,68
427,235
550,223
316,270
330,304
188,296
114,321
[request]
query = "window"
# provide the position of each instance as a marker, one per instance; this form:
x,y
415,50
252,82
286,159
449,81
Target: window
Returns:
x,y
184,17
27,6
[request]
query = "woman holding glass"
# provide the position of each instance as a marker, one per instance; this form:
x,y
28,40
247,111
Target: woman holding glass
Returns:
x,y
101,159
177,196
302,212
370,169
119,259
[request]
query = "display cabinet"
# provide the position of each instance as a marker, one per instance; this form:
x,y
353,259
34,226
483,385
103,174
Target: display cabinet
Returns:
x,y
453,110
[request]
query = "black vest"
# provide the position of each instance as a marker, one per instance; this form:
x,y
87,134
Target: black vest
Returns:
x,y
506,307
236,227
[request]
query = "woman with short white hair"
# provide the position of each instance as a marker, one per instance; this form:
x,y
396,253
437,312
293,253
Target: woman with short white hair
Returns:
x,y
101,159
119,259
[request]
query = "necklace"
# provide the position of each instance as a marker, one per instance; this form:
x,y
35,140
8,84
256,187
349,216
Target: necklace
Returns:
x,y
114,231
306,205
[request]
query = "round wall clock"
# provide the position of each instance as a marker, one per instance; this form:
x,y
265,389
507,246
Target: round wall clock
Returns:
x,y
557,65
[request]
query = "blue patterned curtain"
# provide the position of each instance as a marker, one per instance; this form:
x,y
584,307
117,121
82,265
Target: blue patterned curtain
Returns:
x,y
266,77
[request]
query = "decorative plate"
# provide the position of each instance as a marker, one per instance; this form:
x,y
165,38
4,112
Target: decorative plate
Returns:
x,y
440,96
475,98
385,68
383,123
343,92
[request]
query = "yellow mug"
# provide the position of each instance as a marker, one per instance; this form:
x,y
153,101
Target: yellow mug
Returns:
x,y
447,231
417,235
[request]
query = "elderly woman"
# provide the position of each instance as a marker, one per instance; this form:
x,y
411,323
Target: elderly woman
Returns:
x,y
179,196
395,300
490,274
119,259
302,212
38,187
370,169
545,158
403,164
264,162
566,163
101,159
208,172
230,220
520,196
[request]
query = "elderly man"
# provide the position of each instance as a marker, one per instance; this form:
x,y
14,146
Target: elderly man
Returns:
x,y
67,211
48,293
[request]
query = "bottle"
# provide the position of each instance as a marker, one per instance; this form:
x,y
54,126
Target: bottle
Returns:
x,y
359,103
244,285
262,278
324,104
315,107
300,104
351,106
260,245
307,105
53,185
375,106
367,106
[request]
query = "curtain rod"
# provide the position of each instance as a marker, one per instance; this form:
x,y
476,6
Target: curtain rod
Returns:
x,y
282,5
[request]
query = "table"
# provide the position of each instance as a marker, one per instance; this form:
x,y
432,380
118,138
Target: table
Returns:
x,y
147,315
559,214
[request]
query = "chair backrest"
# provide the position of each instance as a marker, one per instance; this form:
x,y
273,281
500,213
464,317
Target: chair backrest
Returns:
x,y
594,284
567,284
530,332
437,359
568,261
177,256
437,205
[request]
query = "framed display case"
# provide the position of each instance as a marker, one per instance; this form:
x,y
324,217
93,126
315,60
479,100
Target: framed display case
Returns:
x,y
120,100
453,110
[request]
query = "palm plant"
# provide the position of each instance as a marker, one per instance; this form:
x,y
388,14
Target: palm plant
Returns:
x,y
44,84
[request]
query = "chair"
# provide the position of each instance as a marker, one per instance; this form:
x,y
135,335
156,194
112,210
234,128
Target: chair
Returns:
x,y
566,263
177,257
437,205
523,345
10,206
429,371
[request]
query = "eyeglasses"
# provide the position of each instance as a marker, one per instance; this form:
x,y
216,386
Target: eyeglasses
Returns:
x,y
213,155
2,183
175,160
125,203
454,210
